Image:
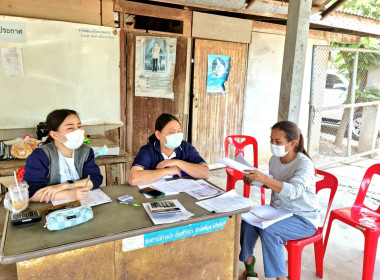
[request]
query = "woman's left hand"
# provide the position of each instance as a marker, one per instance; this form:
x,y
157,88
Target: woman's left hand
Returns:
x,y
47,194
167,163
253,176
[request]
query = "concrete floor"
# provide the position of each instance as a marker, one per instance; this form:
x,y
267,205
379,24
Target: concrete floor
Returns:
x,y
344,255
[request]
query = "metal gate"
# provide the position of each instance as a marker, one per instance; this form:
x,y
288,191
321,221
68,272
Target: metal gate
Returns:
x,y
344,115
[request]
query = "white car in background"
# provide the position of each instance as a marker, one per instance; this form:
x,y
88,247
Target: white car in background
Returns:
x,y
336,92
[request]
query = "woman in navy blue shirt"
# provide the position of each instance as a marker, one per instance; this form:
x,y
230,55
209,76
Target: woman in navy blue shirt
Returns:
x,y
166,154
58,169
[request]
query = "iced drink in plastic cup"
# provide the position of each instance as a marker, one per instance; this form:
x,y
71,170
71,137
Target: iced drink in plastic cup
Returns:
x,y
19,196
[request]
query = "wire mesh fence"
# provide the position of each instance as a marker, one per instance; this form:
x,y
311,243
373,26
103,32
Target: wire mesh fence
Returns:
x,y
344,104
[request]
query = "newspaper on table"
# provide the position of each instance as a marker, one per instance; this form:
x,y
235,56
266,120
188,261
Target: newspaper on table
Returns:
x,y
167,218
94,197
229,201
264,216
205,190
240,164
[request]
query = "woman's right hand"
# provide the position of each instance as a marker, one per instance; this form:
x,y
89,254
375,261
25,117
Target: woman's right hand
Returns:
x,y
80,193
174,170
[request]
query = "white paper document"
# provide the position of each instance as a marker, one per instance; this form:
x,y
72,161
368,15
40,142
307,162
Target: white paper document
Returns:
x,y
205,190
264,216
240,164
154,186
94,197
173,187
12,62
167,218
230,201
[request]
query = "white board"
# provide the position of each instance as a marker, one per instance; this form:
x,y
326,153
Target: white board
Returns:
x,y
65,65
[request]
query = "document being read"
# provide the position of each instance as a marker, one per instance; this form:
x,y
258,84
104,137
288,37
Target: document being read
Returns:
x,y
94,197
240,164
230,201
264,216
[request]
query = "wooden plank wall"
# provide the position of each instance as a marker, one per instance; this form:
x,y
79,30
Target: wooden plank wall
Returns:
x,y
215,116
142,112
98,12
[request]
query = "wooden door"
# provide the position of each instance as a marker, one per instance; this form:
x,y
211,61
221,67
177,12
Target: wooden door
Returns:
x,y
216,116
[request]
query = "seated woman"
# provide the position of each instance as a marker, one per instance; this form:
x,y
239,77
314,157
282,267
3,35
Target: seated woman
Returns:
x,y
166,154
293,190
59,168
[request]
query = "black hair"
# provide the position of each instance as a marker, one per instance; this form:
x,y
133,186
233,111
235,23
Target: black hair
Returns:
x,y
161,122
292,132
55,119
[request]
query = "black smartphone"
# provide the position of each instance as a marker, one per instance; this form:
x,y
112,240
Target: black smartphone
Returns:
x,y
152,192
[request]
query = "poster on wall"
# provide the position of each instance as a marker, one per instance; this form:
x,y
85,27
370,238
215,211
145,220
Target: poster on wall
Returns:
x,y
218,69
155,65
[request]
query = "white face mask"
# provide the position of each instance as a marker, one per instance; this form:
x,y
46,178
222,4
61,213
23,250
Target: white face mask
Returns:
x,y
173,140
279,151
74,139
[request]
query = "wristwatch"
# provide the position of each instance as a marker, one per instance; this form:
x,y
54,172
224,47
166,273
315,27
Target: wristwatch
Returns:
x,y
71,184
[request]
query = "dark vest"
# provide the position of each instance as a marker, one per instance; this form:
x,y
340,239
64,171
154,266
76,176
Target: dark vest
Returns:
x,y
51,151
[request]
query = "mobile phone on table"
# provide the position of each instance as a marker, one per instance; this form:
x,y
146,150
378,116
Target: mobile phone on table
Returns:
x,y
152,192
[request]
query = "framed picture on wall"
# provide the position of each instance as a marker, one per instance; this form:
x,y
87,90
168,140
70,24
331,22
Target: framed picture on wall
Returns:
x,y
154,66
218,70
155,56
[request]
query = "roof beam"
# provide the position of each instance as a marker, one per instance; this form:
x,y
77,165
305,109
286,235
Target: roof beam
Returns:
x,y
250,4
332,8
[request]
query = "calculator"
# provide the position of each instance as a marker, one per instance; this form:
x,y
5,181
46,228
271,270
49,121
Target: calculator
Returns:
x,y
24,218
161,207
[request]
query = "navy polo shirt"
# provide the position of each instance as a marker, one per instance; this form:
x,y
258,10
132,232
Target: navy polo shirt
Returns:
x,y
150,155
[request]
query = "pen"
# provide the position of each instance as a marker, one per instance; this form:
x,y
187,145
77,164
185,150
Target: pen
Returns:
x,y
88,179
134,204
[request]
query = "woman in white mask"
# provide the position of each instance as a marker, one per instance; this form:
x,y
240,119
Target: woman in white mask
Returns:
x,y
58,169
293,190
166,154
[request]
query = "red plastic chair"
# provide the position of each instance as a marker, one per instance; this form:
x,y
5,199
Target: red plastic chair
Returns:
x,y
234,175
295,247
20,174
364,219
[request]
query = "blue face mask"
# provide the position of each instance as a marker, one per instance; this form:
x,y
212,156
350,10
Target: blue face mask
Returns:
x,y
174,140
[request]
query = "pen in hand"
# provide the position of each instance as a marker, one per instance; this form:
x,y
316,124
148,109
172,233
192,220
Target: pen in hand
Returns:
x,y
88,179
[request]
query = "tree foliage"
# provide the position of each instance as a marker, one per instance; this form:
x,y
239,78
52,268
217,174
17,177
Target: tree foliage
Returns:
x,y
363,7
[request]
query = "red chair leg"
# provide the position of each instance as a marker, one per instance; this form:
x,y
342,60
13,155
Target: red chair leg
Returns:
x,y
294,262
318,252
370,248
262,196
247,189
326,239
229,183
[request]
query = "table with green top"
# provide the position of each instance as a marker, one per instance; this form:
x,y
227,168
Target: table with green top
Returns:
x,y
121,242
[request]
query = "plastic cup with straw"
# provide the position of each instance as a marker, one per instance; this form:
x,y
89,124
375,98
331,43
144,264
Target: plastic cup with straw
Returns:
x,y
18,187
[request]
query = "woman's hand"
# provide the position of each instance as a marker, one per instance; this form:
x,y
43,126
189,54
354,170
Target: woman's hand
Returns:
x,y
47,194
253,176
174,170
167,163
80,193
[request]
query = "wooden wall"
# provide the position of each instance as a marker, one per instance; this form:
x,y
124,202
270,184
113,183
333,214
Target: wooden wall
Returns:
x,y
142,112
97,12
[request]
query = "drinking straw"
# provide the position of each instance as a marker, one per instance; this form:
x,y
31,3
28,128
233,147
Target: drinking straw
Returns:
x,y
19,191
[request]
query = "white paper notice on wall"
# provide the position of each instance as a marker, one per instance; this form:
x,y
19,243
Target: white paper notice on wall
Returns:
x,y
133,243
11,62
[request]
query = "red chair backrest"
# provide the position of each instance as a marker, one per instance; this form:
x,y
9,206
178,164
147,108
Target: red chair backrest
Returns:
x,y
20,174
329,181
372,170
247,140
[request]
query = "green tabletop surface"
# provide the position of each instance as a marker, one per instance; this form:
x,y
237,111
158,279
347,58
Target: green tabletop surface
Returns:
x,y
112,221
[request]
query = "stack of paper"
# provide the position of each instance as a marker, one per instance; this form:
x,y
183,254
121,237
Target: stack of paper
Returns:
x,y
230,201
167,218
240,164
94,197
264,216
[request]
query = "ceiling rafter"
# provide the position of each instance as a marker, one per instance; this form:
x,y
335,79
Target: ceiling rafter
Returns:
x,y
332,8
